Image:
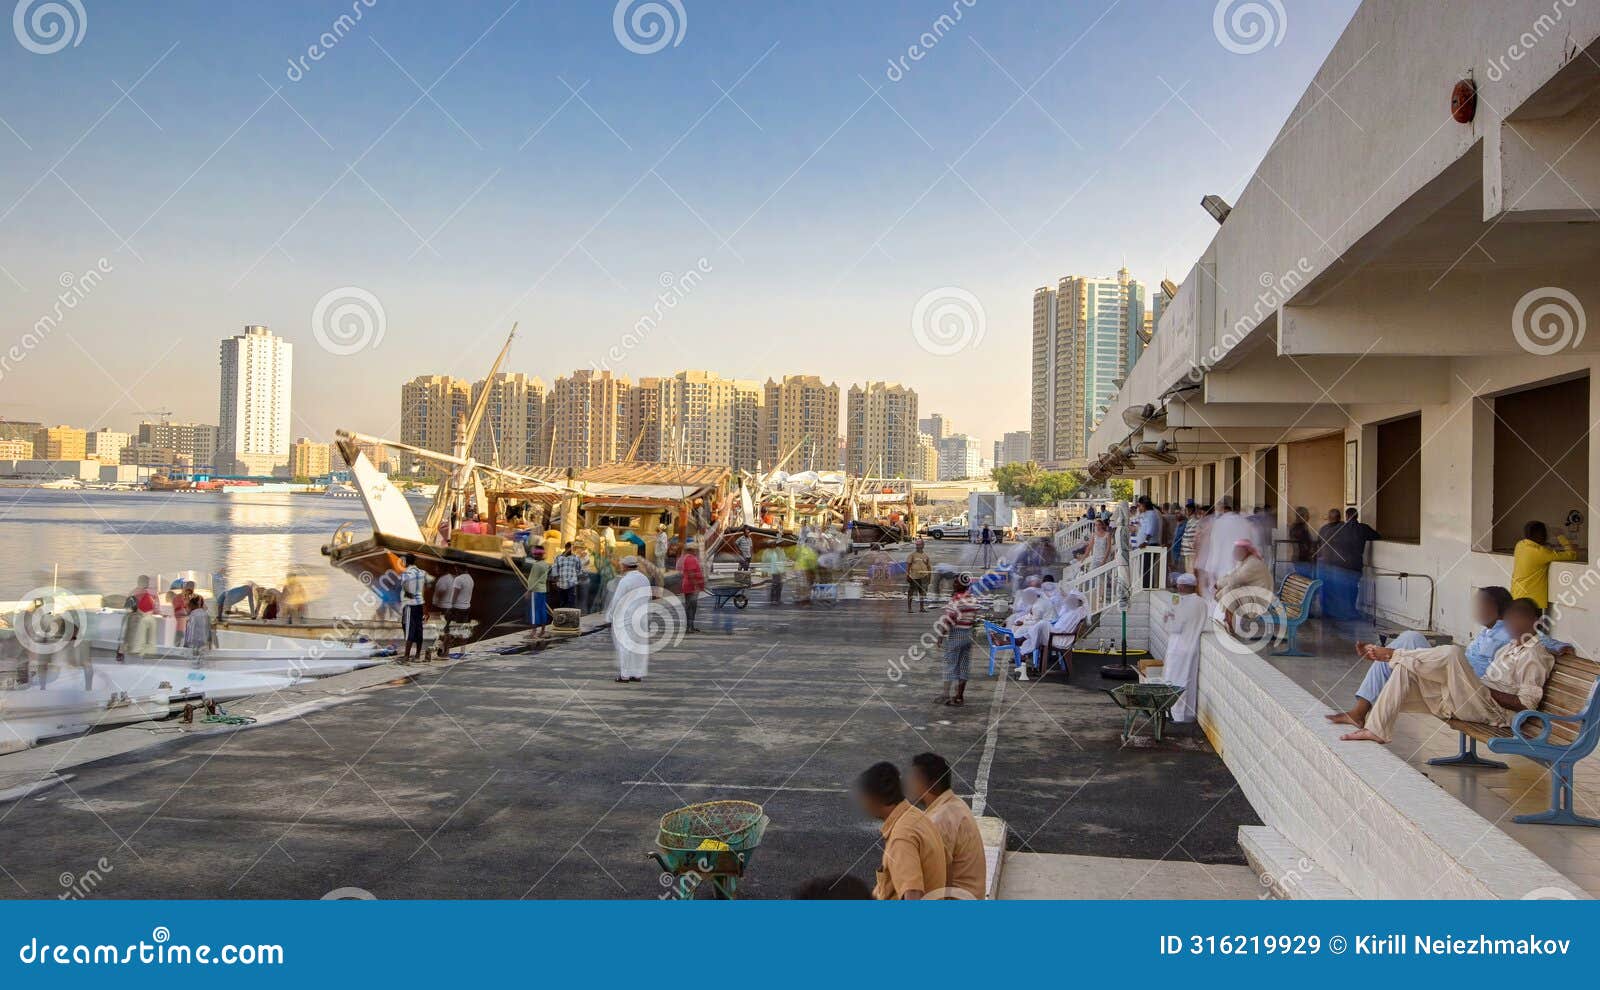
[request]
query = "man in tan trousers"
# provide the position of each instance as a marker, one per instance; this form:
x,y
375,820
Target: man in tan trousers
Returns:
x,y
1441,681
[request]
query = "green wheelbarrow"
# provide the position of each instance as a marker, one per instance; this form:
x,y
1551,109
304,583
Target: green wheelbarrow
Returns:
x,y
1152,701
710,841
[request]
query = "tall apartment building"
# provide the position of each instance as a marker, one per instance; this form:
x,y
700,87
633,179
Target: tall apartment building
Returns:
x,y
430,406
641,421
881,431
19,429
800,408
935,425
257,380
587,414
1083,331
512,432
309,459
929,448
106,446
704,418
960,456
1015,448
195,442
60,443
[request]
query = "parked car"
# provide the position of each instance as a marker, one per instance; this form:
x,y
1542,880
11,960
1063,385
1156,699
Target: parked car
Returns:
x,y
939,531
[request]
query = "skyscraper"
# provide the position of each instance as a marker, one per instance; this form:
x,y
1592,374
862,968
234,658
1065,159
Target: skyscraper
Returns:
x,y
881,431
960,456
929,448
935,425
195,442
430,405
587,413
704,418
257,380
1015,448
1083,331
800,408
513,421
641,418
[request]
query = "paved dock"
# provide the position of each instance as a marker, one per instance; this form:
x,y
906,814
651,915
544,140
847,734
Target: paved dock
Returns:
x,y
536,775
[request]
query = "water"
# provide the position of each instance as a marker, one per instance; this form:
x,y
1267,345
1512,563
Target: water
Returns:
x,y
103,541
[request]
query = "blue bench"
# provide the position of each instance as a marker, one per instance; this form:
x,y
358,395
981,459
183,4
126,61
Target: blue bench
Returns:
x,y
1563,730
1295,594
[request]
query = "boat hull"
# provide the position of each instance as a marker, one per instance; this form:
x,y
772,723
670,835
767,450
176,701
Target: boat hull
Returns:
x,y
499,597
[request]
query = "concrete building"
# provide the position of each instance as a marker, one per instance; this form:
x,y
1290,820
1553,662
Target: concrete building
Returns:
x,y
61,443
881,431
703,418
1015,448
641,415
929,448
51,469
197,442
512,432
935,425
430,407
15,450
587,414
1082,333
106,446
800,414
158,458
309,458
253,423
1393,317
960,457
19,429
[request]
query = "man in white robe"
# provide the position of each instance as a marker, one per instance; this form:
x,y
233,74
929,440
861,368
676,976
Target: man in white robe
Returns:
x,y
1185,619
629,614
1217,556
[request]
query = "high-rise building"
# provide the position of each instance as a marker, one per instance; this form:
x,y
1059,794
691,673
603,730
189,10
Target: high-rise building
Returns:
x,y
1083,330
930,456
430,407
106,446
1015,448
960,456
512,431
800,414
935,425
149,455
257,380
704,418
881,431
60,443
641,421
19,429
309,459
197,442
587,414
15,450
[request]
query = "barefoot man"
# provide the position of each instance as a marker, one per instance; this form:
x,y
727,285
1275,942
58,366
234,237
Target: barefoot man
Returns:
x,y
1440,680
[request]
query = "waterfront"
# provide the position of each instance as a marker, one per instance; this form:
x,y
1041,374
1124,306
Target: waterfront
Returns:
x,y
103,541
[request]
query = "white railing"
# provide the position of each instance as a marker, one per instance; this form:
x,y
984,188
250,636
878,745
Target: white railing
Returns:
x,y
1149,568
1098,587
1072,535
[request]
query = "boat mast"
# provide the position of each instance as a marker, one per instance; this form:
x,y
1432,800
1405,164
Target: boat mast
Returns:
x,y
466,433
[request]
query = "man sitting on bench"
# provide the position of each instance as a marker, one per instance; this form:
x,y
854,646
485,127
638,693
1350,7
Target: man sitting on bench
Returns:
x,y
1440,680
1489,609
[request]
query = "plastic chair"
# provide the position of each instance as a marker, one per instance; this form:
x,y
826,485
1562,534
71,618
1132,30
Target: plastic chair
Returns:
x,y
1000,641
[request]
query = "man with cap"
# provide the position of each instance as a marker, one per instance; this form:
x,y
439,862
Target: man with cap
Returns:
x,y
629,615
1185,619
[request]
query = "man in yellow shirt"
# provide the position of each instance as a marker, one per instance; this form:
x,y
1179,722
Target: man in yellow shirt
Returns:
x,y
913,854
965,869
1530,563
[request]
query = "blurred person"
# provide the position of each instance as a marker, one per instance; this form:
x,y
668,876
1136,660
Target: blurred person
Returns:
x,y
692,582
565,573
913,853
413,586
774,563
955,634
1247,581
1304,552
538,594
139,626
460,610
1185,619
919,570
627,613
965,868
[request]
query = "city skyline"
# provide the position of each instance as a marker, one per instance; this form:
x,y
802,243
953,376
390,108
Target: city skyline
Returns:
x,y
240,189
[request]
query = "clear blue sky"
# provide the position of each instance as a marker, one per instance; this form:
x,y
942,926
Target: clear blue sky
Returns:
x,y
823,211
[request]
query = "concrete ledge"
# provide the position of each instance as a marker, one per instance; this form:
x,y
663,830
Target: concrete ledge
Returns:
x,y
1362,815
994,853
1284,870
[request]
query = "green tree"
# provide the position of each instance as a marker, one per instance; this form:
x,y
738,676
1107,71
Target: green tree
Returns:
x,y
1035,486
1122,489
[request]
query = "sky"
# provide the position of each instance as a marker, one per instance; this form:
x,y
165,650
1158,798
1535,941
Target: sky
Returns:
x,y
779,188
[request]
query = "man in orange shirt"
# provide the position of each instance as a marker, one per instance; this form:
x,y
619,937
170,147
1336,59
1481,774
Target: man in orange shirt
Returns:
x,y
965,869
913,854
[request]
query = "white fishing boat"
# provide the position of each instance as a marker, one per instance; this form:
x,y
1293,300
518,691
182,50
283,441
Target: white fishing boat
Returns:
x,y
239,652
